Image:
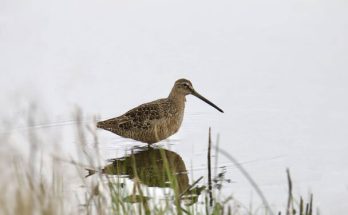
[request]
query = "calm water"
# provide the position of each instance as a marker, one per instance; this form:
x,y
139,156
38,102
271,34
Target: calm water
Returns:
x,y
277,69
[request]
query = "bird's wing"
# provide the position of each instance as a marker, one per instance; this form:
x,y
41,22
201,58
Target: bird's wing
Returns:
x,y
143,116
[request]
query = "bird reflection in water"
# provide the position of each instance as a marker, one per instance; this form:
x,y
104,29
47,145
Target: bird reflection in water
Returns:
x,y
155,167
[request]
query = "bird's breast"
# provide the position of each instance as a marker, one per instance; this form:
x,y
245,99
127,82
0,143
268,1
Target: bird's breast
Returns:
x,y
171,124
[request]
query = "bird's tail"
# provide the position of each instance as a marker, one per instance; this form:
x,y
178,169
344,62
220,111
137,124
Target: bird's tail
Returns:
x,y
100,124
109,124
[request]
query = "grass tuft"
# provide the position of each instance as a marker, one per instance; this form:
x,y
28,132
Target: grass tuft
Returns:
x,y
39,183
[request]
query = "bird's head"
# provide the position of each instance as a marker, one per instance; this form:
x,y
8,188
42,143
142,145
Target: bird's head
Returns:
x,y
183,87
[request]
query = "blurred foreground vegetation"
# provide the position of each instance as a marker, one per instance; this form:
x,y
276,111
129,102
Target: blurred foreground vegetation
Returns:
x,y
40,181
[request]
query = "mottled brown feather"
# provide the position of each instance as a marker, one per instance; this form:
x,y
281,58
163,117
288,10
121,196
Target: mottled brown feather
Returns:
x,y
144,123
157,120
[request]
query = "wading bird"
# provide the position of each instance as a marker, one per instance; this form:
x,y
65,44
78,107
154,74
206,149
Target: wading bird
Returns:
x,y
155,121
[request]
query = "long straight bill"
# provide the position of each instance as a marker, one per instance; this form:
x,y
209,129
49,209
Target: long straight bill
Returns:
x,y
206,101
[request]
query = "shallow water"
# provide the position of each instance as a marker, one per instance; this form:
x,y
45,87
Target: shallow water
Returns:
x,y
277,69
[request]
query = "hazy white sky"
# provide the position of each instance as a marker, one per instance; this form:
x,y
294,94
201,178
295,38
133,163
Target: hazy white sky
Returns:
x,y
277,68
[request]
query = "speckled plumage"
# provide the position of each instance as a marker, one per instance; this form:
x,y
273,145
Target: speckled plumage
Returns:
x,y
154,121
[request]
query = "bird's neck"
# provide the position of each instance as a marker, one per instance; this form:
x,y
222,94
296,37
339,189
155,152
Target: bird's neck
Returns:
x,y
177,98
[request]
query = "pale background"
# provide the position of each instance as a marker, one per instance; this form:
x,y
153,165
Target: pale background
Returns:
x,y
277,68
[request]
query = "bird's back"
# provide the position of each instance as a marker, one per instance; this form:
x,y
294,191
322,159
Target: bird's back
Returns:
x,y
150,122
